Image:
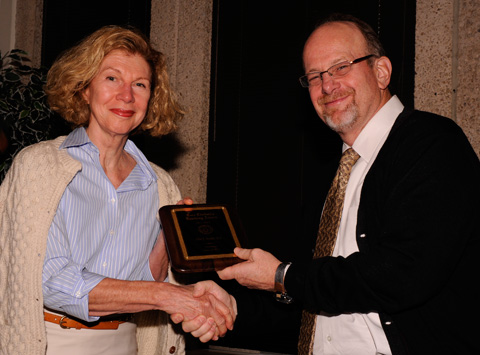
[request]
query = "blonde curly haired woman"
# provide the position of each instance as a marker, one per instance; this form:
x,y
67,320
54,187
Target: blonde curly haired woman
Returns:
x,y
83,262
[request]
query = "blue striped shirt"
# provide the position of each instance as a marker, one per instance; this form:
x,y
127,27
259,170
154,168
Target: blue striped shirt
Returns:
x,y
99,231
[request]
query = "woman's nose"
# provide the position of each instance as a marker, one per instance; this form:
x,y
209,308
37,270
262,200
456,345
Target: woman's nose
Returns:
x,y
126,93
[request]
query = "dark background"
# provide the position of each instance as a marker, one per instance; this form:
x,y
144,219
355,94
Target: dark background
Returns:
x,y
67,22
267,147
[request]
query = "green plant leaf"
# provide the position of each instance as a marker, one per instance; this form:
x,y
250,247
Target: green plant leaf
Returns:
x,y
3,106
13,77
38,106
23,110
37,80
24,114
19,51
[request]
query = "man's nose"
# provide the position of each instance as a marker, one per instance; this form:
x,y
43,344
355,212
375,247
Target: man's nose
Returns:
x,y
329,83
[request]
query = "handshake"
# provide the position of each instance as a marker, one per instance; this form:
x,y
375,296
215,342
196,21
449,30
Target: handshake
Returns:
x,y
213,310
205,310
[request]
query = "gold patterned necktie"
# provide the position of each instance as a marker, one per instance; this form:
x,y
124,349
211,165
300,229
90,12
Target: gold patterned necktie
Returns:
x,y
326,238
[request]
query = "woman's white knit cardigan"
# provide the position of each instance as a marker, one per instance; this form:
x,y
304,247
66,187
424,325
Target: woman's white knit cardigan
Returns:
x,y
29,196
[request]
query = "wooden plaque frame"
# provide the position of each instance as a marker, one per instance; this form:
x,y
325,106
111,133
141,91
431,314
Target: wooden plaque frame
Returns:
x,y
201,237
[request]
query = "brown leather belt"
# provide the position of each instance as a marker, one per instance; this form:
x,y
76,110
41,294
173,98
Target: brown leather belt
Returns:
x,y
67,323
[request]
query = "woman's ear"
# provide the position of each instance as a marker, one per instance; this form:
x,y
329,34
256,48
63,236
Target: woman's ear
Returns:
x,y
86,95
383,68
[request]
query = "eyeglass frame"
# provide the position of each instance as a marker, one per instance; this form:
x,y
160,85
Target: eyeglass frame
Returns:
x,y
320,73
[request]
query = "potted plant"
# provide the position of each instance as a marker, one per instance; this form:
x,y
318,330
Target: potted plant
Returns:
x,y
25,117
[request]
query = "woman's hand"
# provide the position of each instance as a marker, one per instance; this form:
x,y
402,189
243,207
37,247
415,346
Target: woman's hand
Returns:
x,y
185,201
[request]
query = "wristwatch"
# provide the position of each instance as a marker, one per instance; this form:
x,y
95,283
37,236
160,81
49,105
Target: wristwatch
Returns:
x,y
280,292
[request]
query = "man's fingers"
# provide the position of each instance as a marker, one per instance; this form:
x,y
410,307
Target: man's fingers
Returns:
x,y
217,312
224,311
243,253
200,288
228,273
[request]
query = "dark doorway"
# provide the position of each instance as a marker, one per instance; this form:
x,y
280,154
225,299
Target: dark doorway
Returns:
x,y
268,149
67,22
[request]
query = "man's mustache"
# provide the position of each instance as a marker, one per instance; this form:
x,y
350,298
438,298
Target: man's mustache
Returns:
x,y
335,96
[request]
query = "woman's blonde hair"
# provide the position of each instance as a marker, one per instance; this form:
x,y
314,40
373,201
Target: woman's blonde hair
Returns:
x,y
73,71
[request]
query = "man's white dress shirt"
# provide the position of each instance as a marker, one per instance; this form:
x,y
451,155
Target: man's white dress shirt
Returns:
x,y
357,334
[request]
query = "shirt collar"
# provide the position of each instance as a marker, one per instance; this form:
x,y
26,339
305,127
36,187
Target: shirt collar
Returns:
x,y
76,138
141,160
79,137
375,132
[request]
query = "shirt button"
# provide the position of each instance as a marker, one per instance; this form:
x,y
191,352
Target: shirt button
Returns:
x,y
104,264
112,200
172,350
329,338
112,232
362,235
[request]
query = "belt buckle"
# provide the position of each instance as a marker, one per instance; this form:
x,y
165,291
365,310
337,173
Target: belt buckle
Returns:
x,y
62,320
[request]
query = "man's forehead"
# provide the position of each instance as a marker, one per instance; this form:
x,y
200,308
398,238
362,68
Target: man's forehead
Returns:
x,y
335,41
345,32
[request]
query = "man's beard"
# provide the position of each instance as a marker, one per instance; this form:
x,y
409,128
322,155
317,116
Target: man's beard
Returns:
x,y
348,117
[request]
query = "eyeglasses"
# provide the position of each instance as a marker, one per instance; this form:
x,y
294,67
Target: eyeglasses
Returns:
x,y
316,77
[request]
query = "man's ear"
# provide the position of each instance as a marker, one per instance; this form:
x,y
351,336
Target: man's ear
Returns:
x,y
383,68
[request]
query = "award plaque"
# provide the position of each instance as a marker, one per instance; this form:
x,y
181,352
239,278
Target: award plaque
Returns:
x,y
201,238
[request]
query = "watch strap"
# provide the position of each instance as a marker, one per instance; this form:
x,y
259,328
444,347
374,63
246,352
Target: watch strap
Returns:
x,y
280,292
280,277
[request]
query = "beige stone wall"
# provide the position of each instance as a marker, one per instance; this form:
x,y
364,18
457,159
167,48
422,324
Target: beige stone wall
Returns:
x,y
182,29
467,103
447,62
28,28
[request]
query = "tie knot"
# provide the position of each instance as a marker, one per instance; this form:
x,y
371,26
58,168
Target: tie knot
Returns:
x,y
349,158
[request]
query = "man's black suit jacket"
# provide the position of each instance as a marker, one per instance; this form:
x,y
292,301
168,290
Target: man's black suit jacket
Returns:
x,y
418,237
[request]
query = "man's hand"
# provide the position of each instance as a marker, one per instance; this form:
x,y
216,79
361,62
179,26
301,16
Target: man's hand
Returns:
x,y
258,271
206,328
218,294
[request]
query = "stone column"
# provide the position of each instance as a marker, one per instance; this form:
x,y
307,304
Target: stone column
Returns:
x,y
28,29
182,30
447,62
